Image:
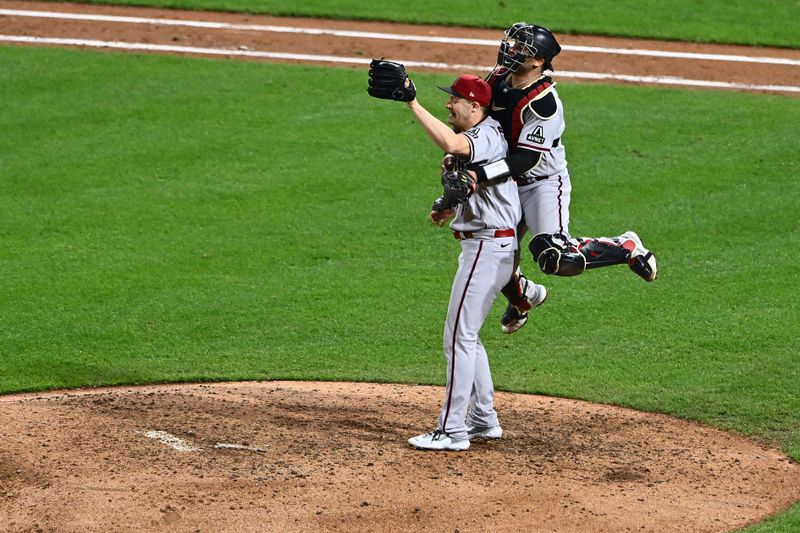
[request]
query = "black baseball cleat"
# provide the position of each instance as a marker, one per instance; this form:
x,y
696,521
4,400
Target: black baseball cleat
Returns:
x,y
514,317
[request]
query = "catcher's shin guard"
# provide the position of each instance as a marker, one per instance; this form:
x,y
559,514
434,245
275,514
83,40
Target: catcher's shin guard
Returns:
x,y
603,251
556,255
563,257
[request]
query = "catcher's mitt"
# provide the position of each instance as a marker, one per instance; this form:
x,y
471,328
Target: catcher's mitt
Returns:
x,y
458,186
388,80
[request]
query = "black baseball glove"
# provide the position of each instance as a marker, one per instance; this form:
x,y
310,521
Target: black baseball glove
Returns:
x,y
458,187
388,80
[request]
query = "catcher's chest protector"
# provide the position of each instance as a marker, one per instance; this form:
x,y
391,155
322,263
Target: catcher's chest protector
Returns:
x,y
507,104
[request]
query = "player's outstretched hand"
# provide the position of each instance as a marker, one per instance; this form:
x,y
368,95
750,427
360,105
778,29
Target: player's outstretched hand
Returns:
x,y
440,218
388,80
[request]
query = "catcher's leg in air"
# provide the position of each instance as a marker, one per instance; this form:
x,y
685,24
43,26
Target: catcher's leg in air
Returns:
x,y
545,208
522,295
569,257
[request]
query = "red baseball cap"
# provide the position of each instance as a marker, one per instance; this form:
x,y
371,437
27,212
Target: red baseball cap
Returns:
x,y
472,88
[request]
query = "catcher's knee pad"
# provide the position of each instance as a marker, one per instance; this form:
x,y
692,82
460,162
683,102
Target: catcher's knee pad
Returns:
x,y
556,255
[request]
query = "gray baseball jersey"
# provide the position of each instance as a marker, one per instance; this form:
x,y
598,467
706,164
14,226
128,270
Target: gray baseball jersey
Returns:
x,y
545,189
493,205
543,134
533,120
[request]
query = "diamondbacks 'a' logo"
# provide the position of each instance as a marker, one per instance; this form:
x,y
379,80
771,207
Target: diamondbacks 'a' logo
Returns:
x,y
537,135
474,133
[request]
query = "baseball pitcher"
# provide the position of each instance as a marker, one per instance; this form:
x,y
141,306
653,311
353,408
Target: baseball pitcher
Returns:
x,y
484,220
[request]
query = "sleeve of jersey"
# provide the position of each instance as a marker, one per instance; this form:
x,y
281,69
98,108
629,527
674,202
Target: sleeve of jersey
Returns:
x,y
538,135
483,146
487,145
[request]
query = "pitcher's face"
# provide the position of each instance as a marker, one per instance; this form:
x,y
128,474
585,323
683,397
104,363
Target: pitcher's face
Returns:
x,y
460,113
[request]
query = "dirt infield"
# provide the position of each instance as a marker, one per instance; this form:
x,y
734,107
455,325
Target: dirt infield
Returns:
x,y
297,456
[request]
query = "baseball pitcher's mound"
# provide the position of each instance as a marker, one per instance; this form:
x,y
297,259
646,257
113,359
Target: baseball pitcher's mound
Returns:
x,y
283,456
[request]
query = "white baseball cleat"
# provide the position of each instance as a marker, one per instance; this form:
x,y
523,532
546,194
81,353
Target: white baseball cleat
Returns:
x,y
477,432
538,294
514,317
642,260
438,440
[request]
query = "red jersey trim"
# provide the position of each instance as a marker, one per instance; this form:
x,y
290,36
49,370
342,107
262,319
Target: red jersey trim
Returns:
x,y
516,119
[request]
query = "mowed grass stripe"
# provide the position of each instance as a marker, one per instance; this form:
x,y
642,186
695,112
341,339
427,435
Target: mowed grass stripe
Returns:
x,y
713,21
339,60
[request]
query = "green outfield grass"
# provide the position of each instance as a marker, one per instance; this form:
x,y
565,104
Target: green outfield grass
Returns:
x,y
764,23
171,219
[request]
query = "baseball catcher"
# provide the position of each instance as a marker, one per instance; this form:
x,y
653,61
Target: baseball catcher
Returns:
x,y
525,101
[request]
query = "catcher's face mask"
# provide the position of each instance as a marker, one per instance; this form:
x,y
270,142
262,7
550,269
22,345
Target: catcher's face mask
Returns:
x,y
517,46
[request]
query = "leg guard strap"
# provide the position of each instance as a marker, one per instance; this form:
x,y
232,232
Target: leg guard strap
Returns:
x,y
515,291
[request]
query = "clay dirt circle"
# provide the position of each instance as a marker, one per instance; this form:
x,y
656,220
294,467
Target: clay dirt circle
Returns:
x,y
304,456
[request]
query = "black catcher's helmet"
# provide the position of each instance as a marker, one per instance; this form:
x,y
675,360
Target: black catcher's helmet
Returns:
x,y
523,41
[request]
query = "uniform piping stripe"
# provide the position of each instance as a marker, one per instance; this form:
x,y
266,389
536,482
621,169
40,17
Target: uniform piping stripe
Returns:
x,y
471,148
516,117
533,147
560,219
455,338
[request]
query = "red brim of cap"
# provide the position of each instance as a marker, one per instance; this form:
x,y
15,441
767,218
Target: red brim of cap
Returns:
x,y
450,90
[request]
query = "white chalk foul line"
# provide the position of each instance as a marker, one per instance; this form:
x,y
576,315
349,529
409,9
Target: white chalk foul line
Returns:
x,y
658,80
172,441
385,36
669,80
